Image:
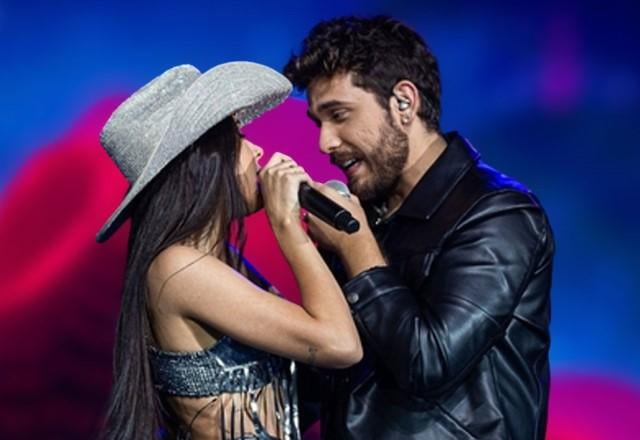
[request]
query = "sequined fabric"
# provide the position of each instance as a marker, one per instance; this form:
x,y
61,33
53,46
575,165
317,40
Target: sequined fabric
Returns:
x,y
233,368
167,115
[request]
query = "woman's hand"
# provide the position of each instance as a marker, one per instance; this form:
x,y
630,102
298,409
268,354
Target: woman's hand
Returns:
x,y
280,180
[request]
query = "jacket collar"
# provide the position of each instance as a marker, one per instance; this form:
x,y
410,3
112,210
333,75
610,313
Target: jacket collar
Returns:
x,y
436,184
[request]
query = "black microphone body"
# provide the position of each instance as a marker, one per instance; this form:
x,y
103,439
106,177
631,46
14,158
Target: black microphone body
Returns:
x,y
326,209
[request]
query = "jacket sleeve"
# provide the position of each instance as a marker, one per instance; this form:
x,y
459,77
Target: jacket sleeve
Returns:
x,y
311,383
429,338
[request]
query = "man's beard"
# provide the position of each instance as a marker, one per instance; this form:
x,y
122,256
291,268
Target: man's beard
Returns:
x,y
386,161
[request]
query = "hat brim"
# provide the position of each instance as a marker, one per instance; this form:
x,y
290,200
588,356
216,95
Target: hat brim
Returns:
x,y
241,88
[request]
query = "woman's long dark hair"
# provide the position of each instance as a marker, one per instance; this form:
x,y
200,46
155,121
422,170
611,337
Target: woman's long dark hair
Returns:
x,y
196,194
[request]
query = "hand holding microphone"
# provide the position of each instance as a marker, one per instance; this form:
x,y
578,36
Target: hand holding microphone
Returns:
x,y
285,187
326,209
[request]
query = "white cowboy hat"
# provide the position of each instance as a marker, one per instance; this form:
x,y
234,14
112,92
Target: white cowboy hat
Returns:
x,y
164,117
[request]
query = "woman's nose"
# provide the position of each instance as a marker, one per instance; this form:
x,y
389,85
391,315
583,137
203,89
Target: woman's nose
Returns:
x,y
258,152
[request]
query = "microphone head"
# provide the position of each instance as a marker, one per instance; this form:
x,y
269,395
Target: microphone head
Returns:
x,y
339,186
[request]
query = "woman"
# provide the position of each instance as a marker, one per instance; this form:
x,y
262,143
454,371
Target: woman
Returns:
x,y
201,337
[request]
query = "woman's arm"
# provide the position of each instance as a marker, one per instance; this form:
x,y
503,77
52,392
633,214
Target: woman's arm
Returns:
x,y
210,292
320,332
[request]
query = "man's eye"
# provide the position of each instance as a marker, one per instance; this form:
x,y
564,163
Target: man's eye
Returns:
x,y
339,115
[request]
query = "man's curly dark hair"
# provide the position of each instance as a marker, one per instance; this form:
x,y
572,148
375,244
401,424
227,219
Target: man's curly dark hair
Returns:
x,y
378,52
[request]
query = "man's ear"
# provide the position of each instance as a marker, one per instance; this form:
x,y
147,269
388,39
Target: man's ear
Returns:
x,y
404,102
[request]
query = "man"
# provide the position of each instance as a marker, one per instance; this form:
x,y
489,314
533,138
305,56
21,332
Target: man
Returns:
x,y
449,281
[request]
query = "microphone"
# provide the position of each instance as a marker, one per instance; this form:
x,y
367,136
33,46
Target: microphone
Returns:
x,y
326,209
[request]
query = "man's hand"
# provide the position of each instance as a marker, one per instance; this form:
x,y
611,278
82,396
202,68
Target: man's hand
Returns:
x,y
358,251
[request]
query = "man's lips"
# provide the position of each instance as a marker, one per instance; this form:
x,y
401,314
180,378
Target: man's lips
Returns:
x,y
353,167
346,164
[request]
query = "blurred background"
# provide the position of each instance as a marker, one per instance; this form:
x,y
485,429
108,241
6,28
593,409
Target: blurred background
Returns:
x,y
548,92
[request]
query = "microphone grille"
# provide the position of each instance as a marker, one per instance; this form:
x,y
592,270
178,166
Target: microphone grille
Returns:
x,y
339,186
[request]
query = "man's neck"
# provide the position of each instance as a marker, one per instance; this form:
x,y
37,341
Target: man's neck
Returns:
x,y
416,167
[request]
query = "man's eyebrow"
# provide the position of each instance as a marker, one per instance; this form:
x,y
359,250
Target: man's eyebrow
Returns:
x,y
330,104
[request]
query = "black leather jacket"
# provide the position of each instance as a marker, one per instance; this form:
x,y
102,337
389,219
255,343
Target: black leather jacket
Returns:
x,y
456,329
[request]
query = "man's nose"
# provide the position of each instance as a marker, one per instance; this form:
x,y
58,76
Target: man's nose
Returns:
x,y
329,140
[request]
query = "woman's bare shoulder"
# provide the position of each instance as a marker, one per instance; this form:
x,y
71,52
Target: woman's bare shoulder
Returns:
x,y
177,259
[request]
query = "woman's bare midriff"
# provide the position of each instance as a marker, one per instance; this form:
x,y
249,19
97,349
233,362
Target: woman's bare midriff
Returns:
x,y
205,415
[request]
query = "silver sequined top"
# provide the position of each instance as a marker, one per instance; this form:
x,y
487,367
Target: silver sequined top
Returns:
x,y
235,369
253,393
